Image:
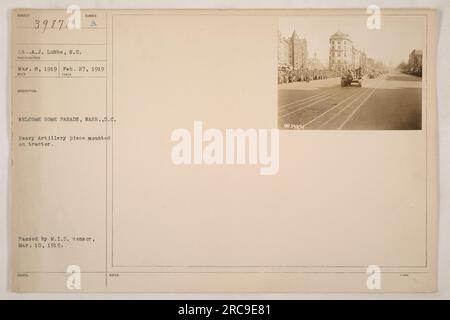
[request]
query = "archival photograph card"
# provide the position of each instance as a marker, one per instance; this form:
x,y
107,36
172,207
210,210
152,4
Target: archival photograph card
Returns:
x,y
266,151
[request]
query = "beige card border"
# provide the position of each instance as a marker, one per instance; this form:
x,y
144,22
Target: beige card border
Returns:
x,y
428,102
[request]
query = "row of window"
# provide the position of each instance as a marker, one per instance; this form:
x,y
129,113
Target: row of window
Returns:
x,y
339,60
338,47
338,54
338,42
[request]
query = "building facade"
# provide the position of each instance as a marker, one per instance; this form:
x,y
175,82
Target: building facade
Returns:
x,y
363,60
341,52
356,58
283,50
370,64
298,51
292,51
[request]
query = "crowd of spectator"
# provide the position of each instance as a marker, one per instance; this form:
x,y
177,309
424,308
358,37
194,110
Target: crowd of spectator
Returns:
x,y
289,74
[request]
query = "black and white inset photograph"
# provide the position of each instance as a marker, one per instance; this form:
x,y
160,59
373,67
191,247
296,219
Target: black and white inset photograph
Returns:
x,y
344,73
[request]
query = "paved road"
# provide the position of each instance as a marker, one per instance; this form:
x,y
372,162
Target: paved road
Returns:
x,y
390,102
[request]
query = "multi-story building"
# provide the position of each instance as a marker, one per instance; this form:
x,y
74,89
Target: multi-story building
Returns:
x,y
283,50
356,58
341,52
298,52
363,60
370,64
292,51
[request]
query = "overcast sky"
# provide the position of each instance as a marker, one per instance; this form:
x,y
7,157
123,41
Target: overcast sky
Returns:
x,y
397,37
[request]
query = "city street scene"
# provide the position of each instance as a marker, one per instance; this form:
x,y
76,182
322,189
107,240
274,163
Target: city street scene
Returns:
x,y
336,73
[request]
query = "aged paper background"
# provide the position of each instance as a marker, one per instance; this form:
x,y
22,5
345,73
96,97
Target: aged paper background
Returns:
x,y
283,207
